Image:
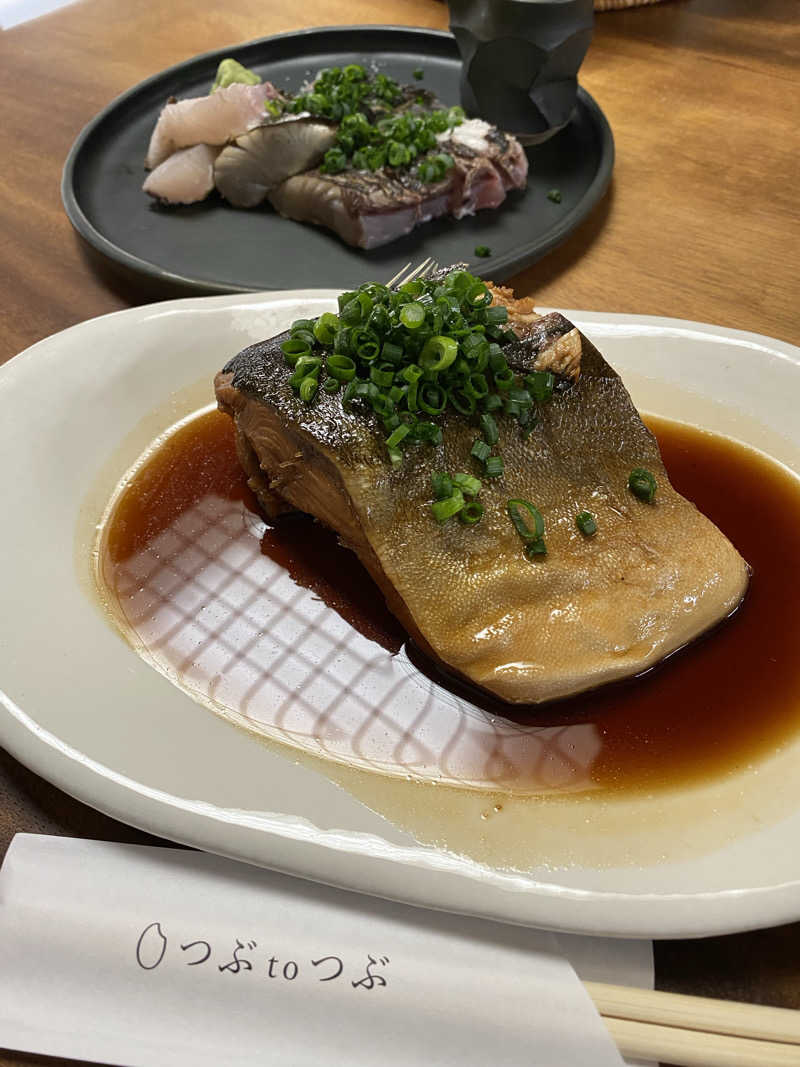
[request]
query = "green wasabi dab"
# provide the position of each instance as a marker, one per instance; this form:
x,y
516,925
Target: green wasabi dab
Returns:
x,y
230,71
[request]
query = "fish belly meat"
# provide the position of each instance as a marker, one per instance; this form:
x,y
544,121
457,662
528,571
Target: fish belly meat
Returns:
x,y
594,609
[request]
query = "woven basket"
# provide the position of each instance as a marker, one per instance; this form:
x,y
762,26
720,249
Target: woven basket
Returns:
x,y
615,5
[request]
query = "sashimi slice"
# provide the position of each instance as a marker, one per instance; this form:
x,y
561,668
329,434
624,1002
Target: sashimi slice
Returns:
x,y
184,177
211,120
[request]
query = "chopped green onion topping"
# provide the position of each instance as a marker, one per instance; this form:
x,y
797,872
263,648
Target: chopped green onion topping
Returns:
x,y
325,328
535,548
334,161
504,378
419,74
305,337
471,513
586,523
381,375
413,358
541,384
467,483
341,367
494,316
394,438
293,349
554,195
481,451
482,251
456,495
374,129
489,428
428,432
642,484
306,366
438,353
308,388
518,401
442,485
412,316
527,519
446,509
433,168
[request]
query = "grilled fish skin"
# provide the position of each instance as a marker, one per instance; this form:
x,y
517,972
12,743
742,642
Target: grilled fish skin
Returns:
x,y
366,209
593,610
262,158
369,209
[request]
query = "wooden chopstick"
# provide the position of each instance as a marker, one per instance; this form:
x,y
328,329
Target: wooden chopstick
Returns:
x,y
697,1048
697,1031
696,1013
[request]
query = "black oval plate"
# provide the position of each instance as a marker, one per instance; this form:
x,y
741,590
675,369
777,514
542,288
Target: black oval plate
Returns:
x,y
212,247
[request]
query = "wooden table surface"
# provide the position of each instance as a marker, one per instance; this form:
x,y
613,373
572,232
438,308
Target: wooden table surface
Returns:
x,y
700,222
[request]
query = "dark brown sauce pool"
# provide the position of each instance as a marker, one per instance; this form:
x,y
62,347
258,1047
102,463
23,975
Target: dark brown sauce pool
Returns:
x,y
718,704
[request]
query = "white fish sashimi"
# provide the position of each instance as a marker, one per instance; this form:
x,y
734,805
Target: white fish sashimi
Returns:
x,y
212,120
184,177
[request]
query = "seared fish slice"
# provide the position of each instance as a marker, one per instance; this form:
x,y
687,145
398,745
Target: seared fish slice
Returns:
x,y
369,209
489,163
592,610
365,208
259,160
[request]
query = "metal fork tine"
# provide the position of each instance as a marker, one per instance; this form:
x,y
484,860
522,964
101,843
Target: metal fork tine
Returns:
x,y
397,278
424,270
420,271
406,275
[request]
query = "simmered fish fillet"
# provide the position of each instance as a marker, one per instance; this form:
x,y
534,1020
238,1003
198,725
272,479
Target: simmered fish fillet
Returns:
x,y
592,610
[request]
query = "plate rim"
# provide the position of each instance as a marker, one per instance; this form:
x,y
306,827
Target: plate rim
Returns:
x,y
80,775
200,287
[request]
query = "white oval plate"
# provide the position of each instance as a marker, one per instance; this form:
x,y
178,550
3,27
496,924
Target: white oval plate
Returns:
x,y
81,708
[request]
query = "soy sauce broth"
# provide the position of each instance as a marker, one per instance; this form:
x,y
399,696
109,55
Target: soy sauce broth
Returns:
x,y
720,703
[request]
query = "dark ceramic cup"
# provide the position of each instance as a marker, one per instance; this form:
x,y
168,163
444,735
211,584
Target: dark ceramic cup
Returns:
x,y
521,59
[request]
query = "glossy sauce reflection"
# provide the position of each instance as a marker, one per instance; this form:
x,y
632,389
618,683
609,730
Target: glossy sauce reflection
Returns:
x,y
711,707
